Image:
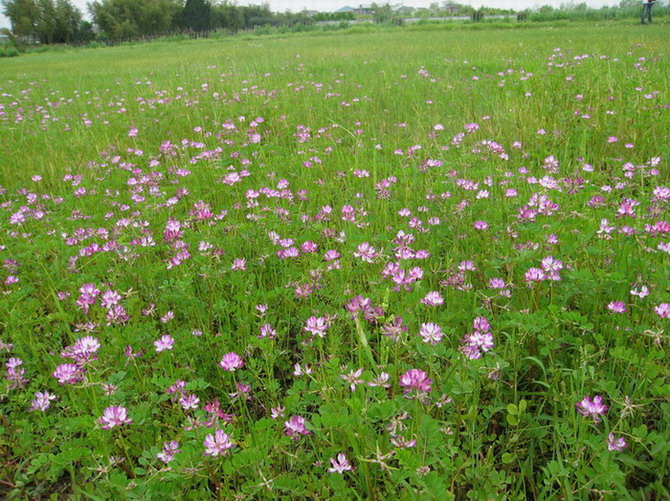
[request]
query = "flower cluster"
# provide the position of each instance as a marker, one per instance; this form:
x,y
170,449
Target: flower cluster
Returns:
x,y
474,345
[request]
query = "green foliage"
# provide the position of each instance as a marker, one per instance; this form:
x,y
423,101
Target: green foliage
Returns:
x,y
8,51
129,18
504,426
196,15
45,21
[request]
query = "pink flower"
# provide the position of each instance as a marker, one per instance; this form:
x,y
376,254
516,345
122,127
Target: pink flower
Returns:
x,y
380,380
415,379
295,427
431,333
481,324
592,408
267,332
663,310
231,361
114,416
42,401
641,293
299,371
617,307
172,230
239,265
164,343
401,442
15,372
474,345
217,444
308,246
340,465
534,275
616,443
189,401
68,374
552,265
433,298
170,450
353,378
331,255
277,412
317,326
366,252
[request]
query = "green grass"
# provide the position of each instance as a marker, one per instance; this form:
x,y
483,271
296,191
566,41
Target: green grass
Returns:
x,y
376,120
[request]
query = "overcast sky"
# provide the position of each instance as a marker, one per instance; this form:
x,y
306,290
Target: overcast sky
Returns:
x,y
331,5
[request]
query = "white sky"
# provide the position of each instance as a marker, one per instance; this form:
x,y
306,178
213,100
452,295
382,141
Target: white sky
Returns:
x,y
331,5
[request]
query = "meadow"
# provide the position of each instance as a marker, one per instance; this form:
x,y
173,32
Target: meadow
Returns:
x,y
393,264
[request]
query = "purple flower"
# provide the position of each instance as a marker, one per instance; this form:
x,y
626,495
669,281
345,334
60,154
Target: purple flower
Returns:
x,y
617,307
534,275
380,380
231,361
83,350
433,298
267,332
353,378
395,329
616,443
164,343
218,444
239,265
295,427
474,345
431,333
415,380
114,416
68,374
663,310
170,450
592,408
366,252
481,324
401,442
15,372
189,401
340,465
317,326
42,401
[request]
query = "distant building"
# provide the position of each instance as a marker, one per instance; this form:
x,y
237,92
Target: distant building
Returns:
x,y
361,10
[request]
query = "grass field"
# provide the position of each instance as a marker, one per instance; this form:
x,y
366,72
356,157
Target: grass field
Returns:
x,y
395,264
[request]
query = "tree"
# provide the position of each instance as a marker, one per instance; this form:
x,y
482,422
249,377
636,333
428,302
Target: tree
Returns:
x,y
225,15
43,20
196,15
129,18
24,16
46,21
68,22
382,13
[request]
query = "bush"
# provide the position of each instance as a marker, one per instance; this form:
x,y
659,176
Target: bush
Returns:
x,y
9,51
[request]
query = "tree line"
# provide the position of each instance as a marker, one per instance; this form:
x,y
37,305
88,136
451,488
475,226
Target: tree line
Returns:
x,y
59,21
